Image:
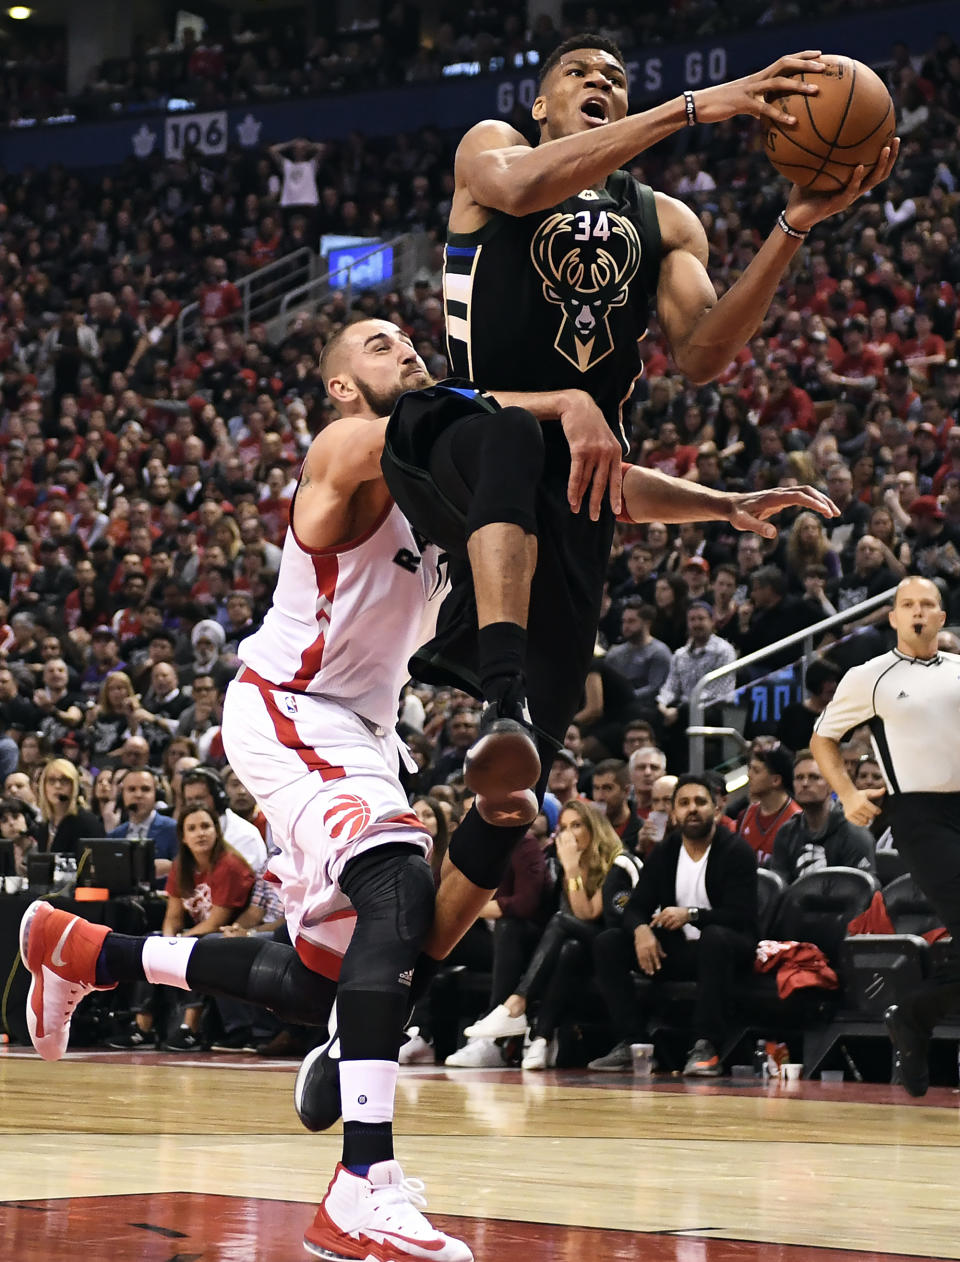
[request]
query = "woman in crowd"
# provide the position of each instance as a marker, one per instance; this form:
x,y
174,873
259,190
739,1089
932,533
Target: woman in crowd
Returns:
x,y
34,752
586,847
670,600
111,720
63,809
207,888
808,545
105,799
737,439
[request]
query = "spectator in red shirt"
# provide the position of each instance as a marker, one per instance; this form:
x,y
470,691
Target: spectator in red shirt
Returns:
x,y
788,406
882,340
904,400
219,298
770,774
668,456
266,246
860,371
925,349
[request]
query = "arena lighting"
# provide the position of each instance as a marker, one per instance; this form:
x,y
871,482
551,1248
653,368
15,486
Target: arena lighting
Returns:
x,y
19,12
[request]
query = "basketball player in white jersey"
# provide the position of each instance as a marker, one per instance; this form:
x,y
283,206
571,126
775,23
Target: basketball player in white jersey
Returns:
x,y
308,726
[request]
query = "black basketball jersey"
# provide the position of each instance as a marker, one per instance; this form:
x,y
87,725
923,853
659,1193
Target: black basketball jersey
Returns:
x,y
557,299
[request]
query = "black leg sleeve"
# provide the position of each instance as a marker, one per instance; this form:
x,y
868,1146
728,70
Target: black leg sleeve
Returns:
x,y
393,893
262,972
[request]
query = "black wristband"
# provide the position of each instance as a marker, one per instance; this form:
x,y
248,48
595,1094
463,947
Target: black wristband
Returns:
x,y
790,231
690,106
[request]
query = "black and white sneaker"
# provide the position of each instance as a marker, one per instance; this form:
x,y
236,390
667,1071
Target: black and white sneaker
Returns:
x,y
184,1040
316,1095
134,1040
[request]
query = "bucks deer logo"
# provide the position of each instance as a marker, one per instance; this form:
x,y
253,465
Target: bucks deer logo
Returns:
x,y
586,261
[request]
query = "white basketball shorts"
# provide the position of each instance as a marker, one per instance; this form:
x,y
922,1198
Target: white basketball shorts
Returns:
x,y
329,789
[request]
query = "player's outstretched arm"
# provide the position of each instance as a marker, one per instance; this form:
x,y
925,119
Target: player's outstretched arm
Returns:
x,y
498,170
649,495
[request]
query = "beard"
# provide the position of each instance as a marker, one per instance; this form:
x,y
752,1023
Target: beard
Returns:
x,y
382,402
697,829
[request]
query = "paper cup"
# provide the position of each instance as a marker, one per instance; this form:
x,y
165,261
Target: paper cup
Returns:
x,y
642,1056
791,1072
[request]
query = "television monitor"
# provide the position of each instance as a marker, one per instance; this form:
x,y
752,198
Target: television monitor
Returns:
x,y
121,865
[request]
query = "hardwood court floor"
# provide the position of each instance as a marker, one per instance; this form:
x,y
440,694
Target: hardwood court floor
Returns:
x,y
143,1158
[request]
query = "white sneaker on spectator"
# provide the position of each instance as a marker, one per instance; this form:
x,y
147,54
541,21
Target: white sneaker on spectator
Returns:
x,y
498,1024
541,1054
477,1054
417,1051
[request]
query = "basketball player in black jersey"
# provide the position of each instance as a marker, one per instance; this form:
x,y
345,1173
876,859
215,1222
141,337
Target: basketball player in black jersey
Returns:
x,y
554,259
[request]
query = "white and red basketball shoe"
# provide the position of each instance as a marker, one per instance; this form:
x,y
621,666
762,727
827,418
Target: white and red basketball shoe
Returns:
x,y
60,952
377,1218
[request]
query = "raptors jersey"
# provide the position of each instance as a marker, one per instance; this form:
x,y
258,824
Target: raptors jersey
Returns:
x,y
557,299
344,621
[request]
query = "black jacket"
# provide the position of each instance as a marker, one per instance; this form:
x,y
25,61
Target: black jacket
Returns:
x,y
731,883
797,851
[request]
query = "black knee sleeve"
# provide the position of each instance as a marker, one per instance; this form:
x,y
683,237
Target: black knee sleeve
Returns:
x,y
393,893
262,972
509,465
280,981
481,851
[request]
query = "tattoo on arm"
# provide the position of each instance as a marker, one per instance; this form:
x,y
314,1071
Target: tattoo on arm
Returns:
x,y
305,478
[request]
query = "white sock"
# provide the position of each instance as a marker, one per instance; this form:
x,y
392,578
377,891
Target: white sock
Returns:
x,y
165,960
367,1089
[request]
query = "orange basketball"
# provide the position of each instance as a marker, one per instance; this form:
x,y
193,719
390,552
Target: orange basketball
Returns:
x,y
846,124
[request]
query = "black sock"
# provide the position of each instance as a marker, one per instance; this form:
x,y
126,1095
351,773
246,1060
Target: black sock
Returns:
x,y
502,658
366,1143
120,960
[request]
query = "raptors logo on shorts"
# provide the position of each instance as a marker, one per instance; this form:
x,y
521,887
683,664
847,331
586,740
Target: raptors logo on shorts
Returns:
x,y
346,816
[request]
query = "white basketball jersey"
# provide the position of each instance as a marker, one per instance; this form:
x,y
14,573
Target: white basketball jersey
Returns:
x,y
345,621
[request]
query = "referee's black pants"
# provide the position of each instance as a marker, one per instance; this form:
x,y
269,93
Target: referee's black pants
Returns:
x,y
926,831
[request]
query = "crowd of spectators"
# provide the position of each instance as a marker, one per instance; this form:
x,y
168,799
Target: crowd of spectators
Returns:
x,y
147,482
239,57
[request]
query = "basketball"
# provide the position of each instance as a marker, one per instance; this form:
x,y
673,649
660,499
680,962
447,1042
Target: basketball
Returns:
x,y
846,124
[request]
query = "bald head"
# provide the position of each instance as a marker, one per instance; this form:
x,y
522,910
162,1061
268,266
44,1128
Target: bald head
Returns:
x,y
917,617
914,586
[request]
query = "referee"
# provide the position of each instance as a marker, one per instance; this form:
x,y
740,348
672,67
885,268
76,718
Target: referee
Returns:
x,y
910,698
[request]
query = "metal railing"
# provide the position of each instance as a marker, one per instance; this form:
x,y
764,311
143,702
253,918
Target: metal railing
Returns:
x,y
261,292
406,255
697,732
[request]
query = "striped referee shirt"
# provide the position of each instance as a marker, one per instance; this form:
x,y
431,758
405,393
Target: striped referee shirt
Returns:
x,y
912,707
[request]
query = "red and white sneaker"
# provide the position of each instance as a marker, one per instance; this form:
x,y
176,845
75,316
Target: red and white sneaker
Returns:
x,y
60,951
378,1219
